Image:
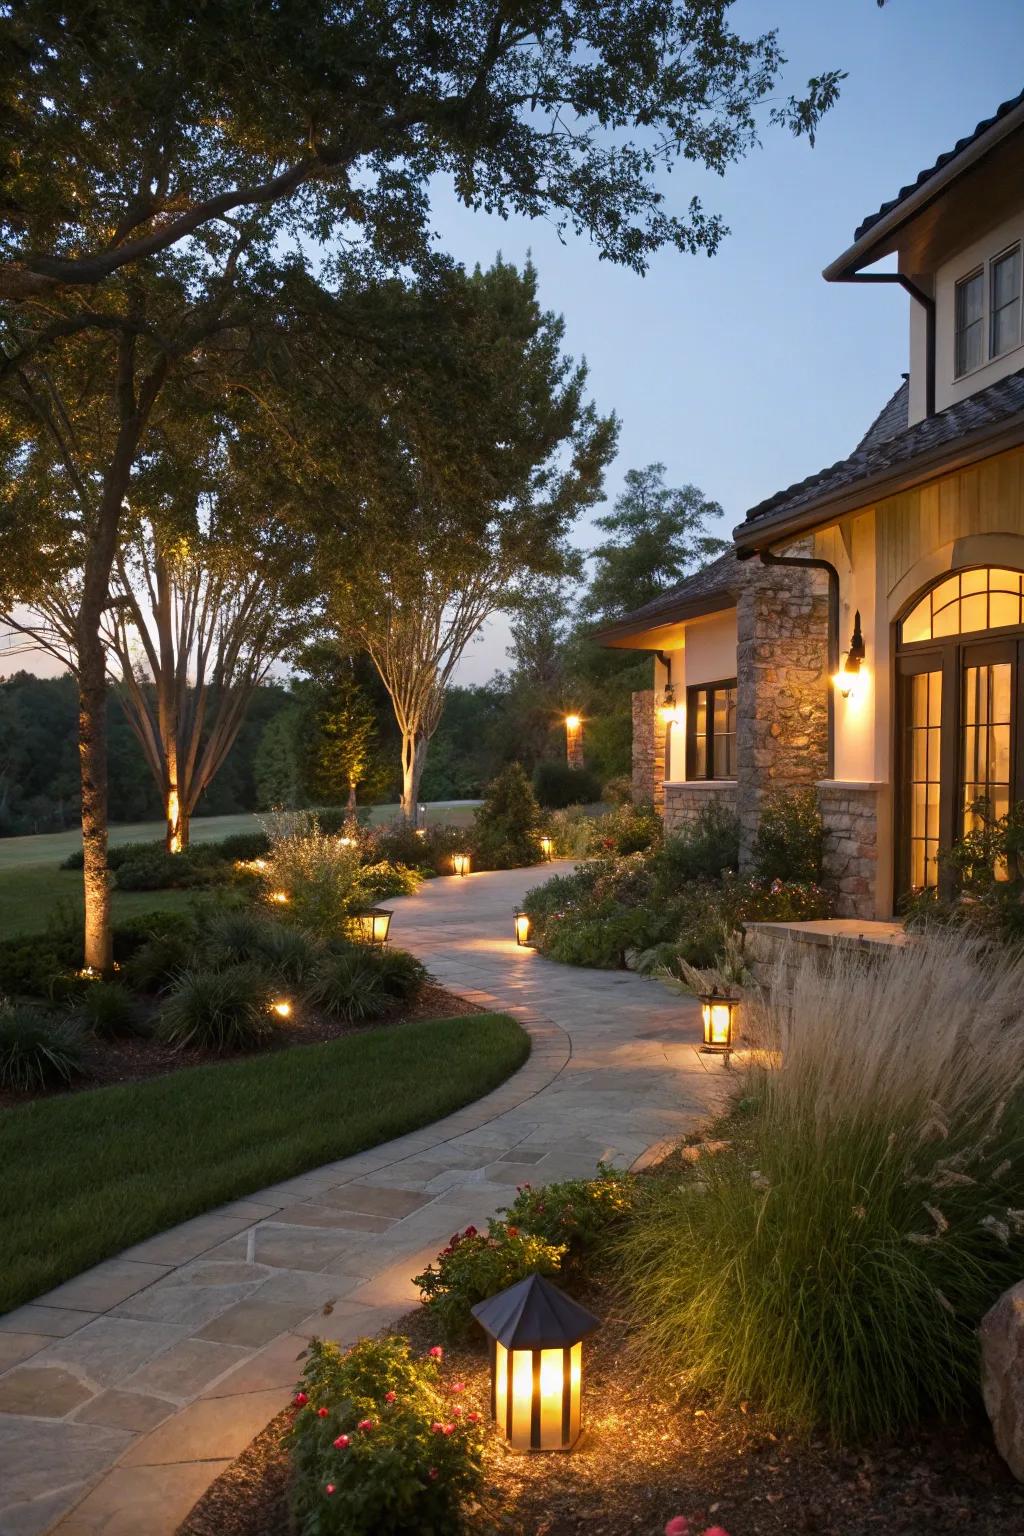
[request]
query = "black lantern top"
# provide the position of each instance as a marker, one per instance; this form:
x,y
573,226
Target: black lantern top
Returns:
x,y
534,1314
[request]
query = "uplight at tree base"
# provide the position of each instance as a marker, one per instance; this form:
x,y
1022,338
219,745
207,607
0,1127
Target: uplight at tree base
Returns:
x,y
537,1337
282,1007
174,839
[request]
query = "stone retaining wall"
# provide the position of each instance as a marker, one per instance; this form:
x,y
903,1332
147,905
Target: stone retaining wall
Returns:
x,y
683,802
851,814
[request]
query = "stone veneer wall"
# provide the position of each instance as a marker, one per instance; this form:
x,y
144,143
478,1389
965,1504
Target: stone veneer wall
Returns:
x,y
683,801
851,814
782,670
648,752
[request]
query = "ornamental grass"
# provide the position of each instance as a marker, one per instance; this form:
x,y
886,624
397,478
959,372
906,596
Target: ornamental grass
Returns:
x,y
833,1260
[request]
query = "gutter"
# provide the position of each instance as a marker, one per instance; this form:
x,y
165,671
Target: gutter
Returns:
x,y
861,250
927,303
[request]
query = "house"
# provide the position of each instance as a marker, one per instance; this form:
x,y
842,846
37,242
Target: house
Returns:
x,y
866,633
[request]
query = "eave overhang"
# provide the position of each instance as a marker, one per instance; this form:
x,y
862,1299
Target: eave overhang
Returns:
x,y
657,633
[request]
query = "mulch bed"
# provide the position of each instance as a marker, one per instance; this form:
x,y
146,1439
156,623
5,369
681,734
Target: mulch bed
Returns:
x,y
133,1058
642,1461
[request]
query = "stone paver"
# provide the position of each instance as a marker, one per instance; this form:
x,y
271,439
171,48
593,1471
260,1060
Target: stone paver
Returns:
x,y
125,1392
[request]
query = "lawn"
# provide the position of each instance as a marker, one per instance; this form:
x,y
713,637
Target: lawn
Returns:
x,y
32,895
87,1174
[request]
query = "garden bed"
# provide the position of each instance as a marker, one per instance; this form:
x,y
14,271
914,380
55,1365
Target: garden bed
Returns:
x,y
642,1461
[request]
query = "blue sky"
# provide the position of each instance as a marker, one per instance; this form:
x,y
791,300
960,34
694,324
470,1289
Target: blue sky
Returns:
x,y
745,371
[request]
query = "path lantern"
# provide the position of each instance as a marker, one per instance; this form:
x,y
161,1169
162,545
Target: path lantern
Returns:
x,y
371,927
537,1335
522,921
718,1012
460,863
546,847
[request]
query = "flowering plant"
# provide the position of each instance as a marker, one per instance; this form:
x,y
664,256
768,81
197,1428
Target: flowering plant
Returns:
x,y
475,1265
381,1443
576,1213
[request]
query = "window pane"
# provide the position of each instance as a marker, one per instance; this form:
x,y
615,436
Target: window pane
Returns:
x,y
1004,610
918,623
1006,302
969,323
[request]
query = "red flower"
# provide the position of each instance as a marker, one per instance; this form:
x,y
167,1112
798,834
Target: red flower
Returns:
x,y
457,1412
432,1473
470,1232
329,1488
513,1231
366,1425
436,1428
457,1386
300,1399
716,1530
389,1397
474,1418
342,1443
436,1352
677,1526
447,1429
321,1413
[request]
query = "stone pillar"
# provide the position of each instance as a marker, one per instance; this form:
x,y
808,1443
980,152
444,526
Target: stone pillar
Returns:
x,y
648,752
783,683
851,814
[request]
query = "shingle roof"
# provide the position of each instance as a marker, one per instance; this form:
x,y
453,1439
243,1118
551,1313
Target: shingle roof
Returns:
x,y
892,418
719,579
877,453
943,160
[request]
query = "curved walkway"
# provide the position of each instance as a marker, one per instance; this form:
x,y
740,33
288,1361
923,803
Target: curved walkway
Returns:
x,y
127,1390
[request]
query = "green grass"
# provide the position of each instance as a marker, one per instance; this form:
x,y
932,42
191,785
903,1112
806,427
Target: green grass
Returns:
x,y
31,895
87,1174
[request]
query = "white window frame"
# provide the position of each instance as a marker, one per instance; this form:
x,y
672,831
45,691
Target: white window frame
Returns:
x,y
1012,249
986,270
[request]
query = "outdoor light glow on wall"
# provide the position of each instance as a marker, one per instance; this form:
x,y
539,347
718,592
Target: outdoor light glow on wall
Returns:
x,y
546,847
371,927
174,843
669,712
460,863
574,741
718,1013
850,678
522,922
536,1336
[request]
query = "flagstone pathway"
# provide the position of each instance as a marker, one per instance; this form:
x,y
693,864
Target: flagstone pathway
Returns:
x,y
127,1390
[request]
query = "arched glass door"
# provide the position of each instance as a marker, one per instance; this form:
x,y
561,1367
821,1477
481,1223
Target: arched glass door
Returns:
x,y
960,666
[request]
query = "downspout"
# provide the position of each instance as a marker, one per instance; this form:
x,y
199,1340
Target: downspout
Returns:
x,y
928,305
807,562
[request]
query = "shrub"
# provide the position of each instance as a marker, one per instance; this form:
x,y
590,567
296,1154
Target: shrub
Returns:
x,y
385,879
130,935
109,1010
706,846
36,1050
556,785
618,791
988,865
789,837
507,829
627,829
571,832
224,1009
39,965
391,1448
118,854
286,953
322,878
578,1215
475,1265
833,1262
243,845
154,869
158,961
356,982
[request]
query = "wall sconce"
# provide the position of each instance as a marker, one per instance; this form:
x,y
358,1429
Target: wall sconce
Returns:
x,y
460,864
522,922
718,1012
546,848
574,741
536,1336
849,680
669,712
371,927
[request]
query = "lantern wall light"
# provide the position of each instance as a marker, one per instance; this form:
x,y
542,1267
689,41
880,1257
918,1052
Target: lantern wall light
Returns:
x,y
372,926
537,1335
669,712
718,1015
522,922
460,864
574,740
850,678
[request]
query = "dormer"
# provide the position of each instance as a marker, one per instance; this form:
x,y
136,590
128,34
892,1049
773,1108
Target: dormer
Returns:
x,y
957,233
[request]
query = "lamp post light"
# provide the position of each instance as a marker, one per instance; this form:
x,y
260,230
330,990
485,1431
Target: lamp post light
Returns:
x,y
546,848
460,864
522,922
718,1014
372,926
574,741
537,1335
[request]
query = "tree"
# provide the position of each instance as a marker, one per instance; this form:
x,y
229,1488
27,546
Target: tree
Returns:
x,y
659,534
481,466
154,167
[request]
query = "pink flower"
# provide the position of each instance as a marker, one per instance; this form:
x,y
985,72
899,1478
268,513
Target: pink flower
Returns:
x,y
716,1530
300,1399
329,1488
436,1352
457,1412
457,1386
474,1418
436,1428
677,1526
389,1397
342,1443
366,1425
321,1413
447,1429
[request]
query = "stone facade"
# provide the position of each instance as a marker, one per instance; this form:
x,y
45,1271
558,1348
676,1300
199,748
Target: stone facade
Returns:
x,y
648,752
783,684
851,814
684,801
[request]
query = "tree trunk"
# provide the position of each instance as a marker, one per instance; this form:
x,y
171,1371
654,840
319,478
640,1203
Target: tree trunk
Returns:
x,y
414,757
351,797
92,749
177,822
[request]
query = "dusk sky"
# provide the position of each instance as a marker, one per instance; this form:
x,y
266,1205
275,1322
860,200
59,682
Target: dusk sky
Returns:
x,y
745,371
